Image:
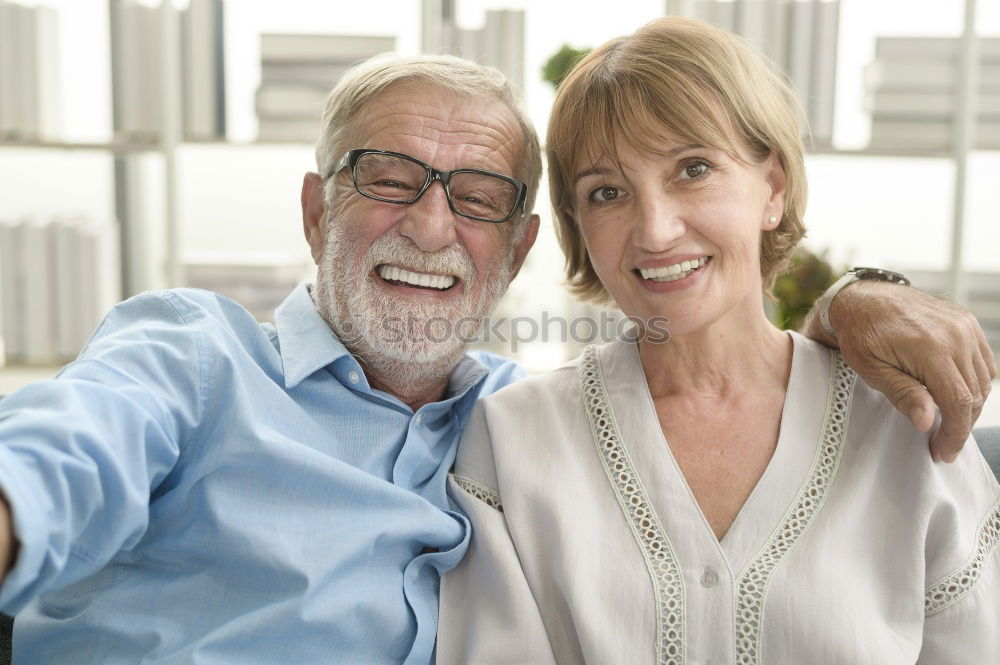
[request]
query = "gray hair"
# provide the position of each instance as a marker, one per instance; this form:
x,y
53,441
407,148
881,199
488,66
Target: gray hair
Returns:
x,y
365,81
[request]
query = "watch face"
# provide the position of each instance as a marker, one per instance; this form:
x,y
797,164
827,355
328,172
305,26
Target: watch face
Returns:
x,y
880,275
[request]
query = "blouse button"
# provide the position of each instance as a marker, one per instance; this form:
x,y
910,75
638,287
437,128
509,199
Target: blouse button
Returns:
x,y
419,418
354,377
710,578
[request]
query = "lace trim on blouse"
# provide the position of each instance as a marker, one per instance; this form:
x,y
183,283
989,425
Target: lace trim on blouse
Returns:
x,y
664,569
754,580
485,494
956,585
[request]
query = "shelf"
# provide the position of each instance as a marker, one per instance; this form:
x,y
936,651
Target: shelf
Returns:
x,y
902,153
117,147
128,147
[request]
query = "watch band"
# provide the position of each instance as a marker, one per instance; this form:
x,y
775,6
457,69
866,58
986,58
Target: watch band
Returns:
x,y
853,275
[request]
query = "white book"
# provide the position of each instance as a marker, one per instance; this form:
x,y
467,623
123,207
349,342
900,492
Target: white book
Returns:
x,y
775,45
151,57
492,41
908,48
721,14
278,130
101,275
311,48
823,78
929,104
48,86
801,50
25,122
127,63
69,282
892,133
39,290
503,46
137,62
470,44
291,100
751,23
9,63
925,75
313,73
724,15
12,290
203,70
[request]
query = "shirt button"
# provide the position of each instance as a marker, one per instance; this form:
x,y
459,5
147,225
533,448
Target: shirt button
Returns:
x,y
354,377
419,418
710,578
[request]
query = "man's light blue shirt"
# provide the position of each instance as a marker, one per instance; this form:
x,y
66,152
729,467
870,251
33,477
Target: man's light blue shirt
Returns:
x,y
201,488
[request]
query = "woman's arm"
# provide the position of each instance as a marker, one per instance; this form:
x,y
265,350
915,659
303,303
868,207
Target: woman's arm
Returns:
x,y
488,613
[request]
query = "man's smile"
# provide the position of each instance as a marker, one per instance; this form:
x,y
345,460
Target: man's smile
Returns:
x,y
398,276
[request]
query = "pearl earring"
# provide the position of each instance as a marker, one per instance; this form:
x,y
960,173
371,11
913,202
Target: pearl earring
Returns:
x,y
772,220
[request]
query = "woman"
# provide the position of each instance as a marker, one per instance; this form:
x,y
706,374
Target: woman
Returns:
x,y
734,494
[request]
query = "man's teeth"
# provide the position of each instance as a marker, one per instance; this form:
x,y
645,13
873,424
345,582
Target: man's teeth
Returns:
x,y
392,273
673,272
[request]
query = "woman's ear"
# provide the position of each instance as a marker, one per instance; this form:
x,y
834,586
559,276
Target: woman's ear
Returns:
x,y
775,176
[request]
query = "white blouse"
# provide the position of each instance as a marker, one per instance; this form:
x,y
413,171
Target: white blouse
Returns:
x,y
589,547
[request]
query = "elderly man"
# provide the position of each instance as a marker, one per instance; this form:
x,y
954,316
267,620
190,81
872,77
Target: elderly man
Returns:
x,y
198,487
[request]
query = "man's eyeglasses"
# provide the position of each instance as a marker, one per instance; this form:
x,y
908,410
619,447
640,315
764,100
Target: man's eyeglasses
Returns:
x,y
397,178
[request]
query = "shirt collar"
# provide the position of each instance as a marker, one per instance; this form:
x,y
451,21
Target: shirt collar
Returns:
x,y
305,341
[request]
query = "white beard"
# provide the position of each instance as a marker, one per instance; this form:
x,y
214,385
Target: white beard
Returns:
x,y
408,343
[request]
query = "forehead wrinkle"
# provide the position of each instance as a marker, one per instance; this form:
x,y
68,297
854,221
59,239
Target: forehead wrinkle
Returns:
x,y
497,133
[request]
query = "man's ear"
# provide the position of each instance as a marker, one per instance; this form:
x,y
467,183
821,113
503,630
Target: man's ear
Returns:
x,y
314,214
524,244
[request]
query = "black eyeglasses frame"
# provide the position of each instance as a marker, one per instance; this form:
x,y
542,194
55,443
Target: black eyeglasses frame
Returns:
x,y
351,157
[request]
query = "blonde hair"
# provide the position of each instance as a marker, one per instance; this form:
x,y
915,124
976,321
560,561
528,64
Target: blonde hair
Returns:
x,y
365,81
689,78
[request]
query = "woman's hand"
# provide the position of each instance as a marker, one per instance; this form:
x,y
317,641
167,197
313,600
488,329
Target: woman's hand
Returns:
x,y
919,351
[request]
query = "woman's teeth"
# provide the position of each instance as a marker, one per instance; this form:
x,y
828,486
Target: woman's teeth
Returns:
x,y
394,274
673,272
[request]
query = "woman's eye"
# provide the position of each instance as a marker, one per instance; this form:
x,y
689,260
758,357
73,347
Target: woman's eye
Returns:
x,y
694,170
604,194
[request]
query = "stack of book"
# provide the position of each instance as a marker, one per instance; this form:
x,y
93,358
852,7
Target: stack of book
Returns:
x,y
297,72
58,278
913,93
30,100
259,282
138,71
800,38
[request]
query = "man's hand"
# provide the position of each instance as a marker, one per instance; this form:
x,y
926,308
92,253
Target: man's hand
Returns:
x,y
918,350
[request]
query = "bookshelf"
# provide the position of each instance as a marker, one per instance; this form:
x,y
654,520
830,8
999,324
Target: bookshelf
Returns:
x,y
143,185
170,202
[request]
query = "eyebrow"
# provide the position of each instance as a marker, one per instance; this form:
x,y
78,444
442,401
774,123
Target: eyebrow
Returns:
x,y
669,154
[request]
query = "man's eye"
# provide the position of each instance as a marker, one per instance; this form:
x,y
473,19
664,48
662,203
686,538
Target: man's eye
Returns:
x,y
605,194
694,170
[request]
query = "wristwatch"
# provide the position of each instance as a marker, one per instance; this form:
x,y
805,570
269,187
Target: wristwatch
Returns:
x,y
853,275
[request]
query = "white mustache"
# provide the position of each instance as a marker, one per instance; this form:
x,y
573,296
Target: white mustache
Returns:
x,y
398,250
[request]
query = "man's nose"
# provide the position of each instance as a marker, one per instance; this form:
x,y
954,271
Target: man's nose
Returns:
x,y
658,226
429,222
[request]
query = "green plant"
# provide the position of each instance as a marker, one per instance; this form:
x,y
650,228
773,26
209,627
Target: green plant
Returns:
x,y
808,276
562,61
